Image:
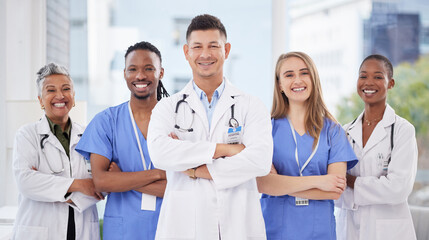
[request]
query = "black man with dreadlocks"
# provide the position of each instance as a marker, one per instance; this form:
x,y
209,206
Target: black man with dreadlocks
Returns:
x,y
115,144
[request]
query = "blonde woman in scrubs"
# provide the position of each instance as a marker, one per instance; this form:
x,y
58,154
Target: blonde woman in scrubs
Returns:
x,y
310,158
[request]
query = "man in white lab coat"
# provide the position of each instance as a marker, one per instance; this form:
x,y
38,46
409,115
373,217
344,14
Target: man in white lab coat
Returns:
x,y
213,140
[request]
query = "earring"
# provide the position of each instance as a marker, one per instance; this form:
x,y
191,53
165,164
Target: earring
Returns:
x,y
74,104
42,107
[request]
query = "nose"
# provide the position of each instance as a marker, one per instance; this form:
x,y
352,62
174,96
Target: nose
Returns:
x,y
140,75
205,53
59,95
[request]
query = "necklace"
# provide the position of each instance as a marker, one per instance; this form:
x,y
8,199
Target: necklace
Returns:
x,y
369,122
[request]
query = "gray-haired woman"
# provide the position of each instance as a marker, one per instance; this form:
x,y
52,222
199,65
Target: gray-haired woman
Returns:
x,y
56,193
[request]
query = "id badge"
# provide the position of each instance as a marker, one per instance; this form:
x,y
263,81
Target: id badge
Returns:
x,y
148,202
301,201
234,135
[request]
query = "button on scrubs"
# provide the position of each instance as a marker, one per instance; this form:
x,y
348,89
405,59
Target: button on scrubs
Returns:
x,y
111,135
285,220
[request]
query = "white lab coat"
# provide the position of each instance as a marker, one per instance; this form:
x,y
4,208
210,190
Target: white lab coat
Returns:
x,y
227,206
377,208
43,212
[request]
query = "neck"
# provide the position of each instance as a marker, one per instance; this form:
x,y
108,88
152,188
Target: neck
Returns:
x,y
296,115
142,106
208,85
374,111
61,122
297,111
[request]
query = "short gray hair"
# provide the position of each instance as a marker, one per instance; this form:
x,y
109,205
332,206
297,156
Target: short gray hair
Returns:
x,y
48,70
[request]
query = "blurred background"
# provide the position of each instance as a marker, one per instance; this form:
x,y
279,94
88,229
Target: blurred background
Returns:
x,y
90,37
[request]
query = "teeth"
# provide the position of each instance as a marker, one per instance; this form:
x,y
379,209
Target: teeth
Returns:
x,y
369,91
298,89
141,85
59,104
205,64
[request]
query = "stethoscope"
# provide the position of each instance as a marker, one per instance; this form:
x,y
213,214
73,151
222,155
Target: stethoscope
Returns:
x,y
392,129
233,123
42,146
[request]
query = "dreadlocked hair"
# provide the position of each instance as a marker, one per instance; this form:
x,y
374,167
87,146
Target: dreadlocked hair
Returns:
x,y
161,91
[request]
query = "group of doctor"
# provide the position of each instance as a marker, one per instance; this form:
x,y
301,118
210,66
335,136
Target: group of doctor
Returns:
x,y
193,165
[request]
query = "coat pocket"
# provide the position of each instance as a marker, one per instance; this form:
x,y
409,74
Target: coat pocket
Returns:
x,y
177,217
394,229
31,233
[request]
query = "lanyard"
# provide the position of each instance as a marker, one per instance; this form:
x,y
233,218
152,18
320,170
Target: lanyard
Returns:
x,y
296,150
137,136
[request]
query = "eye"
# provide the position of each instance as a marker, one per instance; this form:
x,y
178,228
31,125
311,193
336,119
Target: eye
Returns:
x,y
305,73
289,75
131,69
196,47
378,77
214,46
362,77
50,90
149,69
67,89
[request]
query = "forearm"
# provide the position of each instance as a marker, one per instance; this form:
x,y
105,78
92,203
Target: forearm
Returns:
x,y
279,185
316,194
156,188
124,181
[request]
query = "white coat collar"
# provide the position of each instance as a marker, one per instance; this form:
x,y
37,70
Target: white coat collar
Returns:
x,y
226,100
354,129
42,128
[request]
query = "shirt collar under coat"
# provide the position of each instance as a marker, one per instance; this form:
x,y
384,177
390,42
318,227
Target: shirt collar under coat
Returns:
x,y
226,100
42,128
354,130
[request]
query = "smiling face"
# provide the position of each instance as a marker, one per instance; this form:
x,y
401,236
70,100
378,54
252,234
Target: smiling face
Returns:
x,y
295,80
142,73
373,82
57,97
206,52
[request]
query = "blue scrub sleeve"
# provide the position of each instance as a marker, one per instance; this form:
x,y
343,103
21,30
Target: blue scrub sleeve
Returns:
x,y
97,137
340,149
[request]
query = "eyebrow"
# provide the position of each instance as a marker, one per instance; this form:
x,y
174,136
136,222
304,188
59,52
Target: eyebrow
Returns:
x,y
51,85
211,42
374,72
302,69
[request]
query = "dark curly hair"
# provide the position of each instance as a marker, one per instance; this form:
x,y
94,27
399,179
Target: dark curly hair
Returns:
x,y
205,22
161,91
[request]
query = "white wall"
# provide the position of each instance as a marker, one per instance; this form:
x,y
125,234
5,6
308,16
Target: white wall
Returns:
x,y
22,52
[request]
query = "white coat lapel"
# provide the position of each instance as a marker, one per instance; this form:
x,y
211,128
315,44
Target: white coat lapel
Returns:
x,y
196,104
355,131
43,128
380,131
224,105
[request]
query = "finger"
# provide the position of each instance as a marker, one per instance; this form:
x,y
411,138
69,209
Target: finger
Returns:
x,y
173,135
100,196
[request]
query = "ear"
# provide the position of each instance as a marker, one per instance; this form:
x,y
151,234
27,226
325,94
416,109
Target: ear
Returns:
x,y
227,49
161,74
391,83
124,73
186,50
40,101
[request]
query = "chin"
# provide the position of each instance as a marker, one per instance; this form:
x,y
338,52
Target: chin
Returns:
x,y
141,97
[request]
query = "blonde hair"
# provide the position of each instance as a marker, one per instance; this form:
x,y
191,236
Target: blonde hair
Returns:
x,y
316,108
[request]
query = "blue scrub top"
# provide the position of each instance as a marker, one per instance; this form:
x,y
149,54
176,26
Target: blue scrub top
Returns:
x,y
111,135
285,220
